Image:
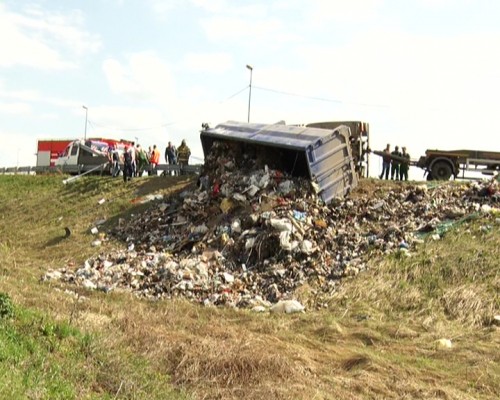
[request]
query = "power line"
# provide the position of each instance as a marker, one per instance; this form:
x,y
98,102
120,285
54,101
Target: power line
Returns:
x,y
234,95
282,92
318,98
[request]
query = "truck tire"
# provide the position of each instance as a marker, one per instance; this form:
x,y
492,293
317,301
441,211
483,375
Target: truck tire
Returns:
x,y
441,171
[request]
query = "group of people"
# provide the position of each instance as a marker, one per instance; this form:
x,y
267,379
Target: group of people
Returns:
x,y
135,159
397,163
177,156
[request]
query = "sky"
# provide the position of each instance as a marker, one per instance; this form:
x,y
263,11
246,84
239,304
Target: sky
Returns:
x,y
424,74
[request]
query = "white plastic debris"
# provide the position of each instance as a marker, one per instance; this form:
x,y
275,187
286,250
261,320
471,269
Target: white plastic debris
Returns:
x,y
52,275
252,190
264,181
285,187
443,344
228,278
201,229
151,197
306,247
236,226
102,201
287,307
94,231
88,284
96,243
249,243
239,197
281,224
486,208
435,236
285,241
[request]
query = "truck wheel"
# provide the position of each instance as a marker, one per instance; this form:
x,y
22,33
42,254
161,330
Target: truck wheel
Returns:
x,y
441,171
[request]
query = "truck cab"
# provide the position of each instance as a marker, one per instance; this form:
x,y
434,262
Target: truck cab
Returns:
x,y
88,154
69,156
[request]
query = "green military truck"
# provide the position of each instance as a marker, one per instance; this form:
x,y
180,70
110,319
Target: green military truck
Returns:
x,y
443,164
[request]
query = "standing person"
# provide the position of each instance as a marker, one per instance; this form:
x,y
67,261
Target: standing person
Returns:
x,y
171,155
127,164
134,160
386,162
154,160
149,154
114,159
395,164
405,165
141,159
183,154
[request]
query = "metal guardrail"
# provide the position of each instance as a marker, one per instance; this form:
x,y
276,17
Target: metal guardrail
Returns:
x,y
79,169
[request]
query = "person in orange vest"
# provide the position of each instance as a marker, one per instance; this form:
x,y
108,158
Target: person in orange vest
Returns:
x,y
154,160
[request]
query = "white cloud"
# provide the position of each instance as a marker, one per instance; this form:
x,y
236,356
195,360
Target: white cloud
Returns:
x,y
346,12
144,76
162,8
43,39
15,108
208,62
33,96
18,149
270,31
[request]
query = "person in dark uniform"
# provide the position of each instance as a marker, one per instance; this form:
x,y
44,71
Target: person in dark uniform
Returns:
x,y
405,165
386,162
128,169
395,164
171,155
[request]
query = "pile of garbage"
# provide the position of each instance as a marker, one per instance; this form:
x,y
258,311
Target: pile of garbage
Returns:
x,y
249,236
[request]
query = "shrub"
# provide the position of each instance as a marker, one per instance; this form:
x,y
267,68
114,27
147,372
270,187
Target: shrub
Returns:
x,y
6,306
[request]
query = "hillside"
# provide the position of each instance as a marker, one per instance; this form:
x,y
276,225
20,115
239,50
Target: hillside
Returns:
x,y
376,336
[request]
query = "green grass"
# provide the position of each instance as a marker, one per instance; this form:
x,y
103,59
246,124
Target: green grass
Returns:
x,y
44,359
381,327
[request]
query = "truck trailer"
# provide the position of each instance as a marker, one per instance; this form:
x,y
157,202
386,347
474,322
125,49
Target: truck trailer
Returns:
x,y
441,165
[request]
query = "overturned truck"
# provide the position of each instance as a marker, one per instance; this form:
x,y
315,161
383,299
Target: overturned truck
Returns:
x,y
323,156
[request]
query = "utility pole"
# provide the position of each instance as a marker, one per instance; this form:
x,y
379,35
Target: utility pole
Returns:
x,y
86,116
250,91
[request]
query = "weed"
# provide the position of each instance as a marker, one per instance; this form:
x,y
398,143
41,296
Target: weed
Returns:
x,y
6,306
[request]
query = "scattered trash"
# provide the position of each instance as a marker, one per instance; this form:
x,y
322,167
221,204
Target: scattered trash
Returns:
x,y
442,344
486,208
102,201
249,236
94,231
287,307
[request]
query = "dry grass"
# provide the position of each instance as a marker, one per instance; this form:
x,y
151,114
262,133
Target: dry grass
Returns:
x,y
376,341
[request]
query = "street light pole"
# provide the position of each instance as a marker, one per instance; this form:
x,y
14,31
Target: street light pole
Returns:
x,y
250,91
86,115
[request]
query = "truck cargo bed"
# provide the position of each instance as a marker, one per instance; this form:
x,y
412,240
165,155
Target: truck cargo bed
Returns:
x,y
322,155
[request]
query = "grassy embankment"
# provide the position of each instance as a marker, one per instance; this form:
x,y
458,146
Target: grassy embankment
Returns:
x,y
377,340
